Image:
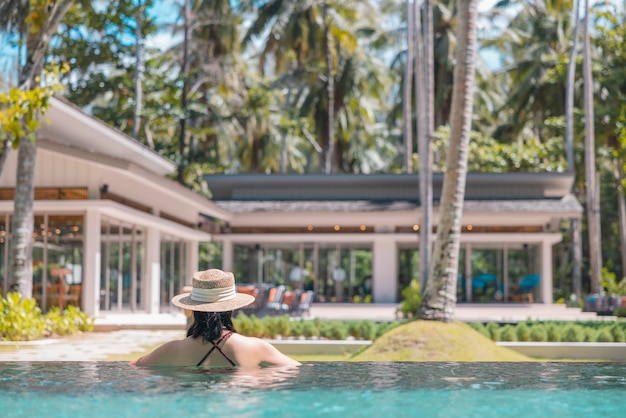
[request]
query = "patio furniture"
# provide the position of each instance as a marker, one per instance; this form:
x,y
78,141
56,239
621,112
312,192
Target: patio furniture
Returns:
x,y
306,299
524,291
482,281
56,295
275,299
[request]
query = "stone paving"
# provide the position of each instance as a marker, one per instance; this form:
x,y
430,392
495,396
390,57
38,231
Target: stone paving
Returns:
x,y
87,346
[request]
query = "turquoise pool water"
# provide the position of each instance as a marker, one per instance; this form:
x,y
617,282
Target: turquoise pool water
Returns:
x,y
110,389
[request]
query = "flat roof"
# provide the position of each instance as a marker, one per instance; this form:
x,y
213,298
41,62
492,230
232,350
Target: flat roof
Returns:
x,y
384,187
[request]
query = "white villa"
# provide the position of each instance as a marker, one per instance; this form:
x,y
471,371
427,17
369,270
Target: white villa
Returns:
x,y
114,234
108,223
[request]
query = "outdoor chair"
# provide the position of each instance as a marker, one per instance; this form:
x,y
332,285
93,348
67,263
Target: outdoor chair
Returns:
x,y
260,294
523,292
291,301
56,295
482,281
74,295
306,299
275,299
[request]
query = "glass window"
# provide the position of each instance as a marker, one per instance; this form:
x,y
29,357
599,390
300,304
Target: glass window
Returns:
x,y
335,272
408,268
122,249
173,270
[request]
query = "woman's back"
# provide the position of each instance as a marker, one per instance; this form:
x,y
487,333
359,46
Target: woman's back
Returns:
x,y
241,350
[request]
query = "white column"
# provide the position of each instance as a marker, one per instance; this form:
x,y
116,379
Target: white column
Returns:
x,y
192,261
384,270
91,263
228,255
546,273
152,277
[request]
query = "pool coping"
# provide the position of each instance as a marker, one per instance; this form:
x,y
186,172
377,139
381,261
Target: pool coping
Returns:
x,y
565,350
543,350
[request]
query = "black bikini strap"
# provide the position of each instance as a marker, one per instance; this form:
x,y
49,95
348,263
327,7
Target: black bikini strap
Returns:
x,y
216,345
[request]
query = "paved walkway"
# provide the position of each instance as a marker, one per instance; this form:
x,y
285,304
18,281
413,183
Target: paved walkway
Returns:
x,y
89,346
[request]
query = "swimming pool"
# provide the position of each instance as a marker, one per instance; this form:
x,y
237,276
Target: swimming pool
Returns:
x,y
113,389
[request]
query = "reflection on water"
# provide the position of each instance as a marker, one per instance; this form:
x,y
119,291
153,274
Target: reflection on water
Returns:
x,y
315,389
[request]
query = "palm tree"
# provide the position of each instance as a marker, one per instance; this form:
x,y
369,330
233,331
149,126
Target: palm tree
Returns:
x,y
407,131
569,147
425,132
439,299
292,32
532,46
592,191
36,34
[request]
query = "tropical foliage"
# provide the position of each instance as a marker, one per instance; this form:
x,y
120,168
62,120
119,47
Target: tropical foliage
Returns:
x,y
285,86
21,319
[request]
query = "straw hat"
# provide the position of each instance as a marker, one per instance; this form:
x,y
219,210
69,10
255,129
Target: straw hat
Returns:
x,y
213,291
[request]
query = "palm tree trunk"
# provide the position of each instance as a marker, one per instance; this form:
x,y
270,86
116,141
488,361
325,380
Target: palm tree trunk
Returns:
x,y
23,220
425,141
138,75
330,91
406,104
592,192
182,138
569,147
577,257
439,299
21,255
283,139
569,93
422,147
622,211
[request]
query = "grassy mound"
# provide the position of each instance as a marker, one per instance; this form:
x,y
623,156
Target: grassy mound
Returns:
x,y
436,341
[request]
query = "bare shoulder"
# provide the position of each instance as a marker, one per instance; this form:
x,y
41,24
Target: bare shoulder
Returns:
x,y
166,354
259,352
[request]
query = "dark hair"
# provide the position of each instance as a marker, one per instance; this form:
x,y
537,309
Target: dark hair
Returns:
x,y
209,325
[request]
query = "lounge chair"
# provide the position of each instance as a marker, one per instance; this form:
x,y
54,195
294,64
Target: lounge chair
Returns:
x,y
275,300
306,299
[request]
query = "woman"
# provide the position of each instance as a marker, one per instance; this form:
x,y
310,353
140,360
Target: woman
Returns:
x,y
212,339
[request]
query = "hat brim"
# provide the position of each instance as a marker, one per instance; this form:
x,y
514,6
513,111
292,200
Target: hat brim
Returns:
x,y
239,301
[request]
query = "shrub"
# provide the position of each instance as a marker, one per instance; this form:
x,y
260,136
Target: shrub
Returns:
x,y
353,329
620,312
20,319
257,327
70,321
572,334
309,330
243,324
318,324
494,331
508,333
335,330
591,335
367,329
295,329
271,327
538,333
604,336
522,332
617,333
411,299
326,330
553,333
283,326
